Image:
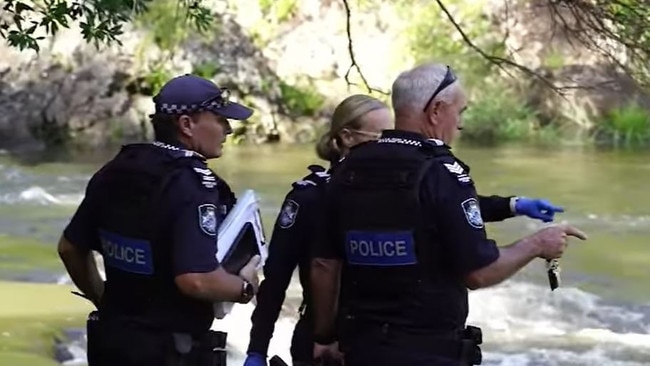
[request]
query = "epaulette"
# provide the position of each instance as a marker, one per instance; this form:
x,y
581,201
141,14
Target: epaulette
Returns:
x,y
436,147
319,175
206,176
458,169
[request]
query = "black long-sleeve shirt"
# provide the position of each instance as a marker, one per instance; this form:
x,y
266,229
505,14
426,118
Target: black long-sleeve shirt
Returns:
x,y
289,247
495,208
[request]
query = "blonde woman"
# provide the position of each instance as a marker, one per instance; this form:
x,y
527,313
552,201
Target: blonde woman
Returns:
x,y
357,119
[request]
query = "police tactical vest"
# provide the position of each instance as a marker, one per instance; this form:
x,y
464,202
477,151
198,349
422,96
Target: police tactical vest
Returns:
x,y
388,240
133,229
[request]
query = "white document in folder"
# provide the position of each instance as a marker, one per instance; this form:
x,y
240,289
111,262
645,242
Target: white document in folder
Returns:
x,y
245,211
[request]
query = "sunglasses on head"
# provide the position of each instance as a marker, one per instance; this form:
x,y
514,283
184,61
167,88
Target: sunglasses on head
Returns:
x,y
367,133
449,79
219,100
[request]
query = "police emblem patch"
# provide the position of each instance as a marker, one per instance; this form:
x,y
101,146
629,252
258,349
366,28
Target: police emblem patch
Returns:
x,y
473,213
288,214
208,218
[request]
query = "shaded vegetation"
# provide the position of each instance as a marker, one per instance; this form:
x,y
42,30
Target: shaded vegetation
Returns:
x,y
453,31
498,107
28,323
301,100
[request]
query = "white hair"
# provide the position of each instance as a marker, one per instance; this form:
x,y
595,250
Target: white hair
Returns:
x,y
413,88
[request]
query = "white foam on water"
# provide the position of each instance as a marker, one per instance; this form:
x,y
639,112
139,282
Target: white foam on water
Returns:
x,y
522,324
20,187
238,325
518,310
545,357
40,196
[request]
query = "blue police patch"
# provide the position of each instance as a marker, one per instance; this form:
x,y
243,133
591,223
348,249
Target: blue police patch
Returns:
x,y
208,218
368,248
473,213
126,254
288,214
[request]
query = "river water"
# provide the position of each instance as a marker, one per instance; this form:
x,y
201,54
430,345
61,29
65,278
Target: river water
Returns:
x,y
600,315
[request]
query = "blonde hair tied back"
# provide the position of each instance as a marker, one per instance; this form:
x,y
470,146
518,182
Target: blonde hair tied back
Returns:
x,y
346,115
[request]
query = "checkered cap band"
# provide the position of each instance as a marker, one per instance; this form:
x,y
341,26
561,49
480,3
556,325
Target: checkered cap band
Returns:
x,y
192,108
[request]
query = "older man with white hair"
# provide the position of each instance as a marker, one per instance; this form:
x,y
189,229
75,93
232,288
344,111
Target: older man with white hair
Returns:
x,y
404,226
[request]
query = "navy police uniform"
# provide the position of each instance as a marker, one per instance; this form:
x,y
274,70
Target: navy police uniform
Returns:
x,y
152,212
293,231
404,216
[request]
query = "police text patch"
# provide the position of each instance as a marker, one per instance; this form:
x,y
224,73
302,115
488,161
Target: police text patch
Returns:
x,y
126,254
208,218
458,171
370,248
288,214
473,213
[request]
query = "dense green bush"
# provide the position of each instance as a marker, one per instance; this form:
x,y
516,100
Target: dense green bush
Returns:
x,y
301,101
628,126
497,115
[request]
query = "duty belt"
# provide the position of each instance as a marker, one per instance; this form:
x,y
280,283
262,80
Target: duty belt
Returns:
x,y
462,345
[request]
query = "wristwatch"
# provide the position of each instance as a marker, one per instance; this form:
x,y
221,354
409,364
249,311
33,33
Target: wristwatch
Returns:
x,y
513,204
247,291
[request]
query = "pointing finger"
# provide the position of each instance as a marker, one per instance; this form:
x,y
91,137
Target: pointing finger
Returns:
x,y
547,206
574,231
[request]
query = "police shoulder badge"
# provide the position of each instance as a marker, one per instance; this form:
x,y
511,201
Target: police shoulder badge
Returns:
x,y
472,213
208,179
288,214
208,218
459,172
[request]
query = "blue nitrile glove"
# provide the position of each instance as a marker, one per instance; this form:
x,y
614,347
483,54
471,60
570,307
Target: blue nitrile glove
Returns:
x,y
536,209
255,359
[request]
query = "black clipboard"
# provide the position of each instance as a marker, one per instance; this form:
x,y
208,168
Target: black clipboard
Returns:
x,y
242,250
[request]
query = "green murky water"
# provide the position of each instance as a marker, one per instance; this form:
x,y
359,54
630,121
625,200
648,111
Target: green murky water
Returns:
x,y
604,193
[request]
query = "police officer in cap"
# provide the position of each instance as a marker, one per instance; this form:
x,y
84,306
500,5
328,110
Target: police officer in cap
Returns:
x,y
152,213
404,226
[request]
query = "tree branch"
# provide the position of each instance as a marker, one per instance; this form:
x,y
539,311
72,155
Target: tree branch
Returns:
x,y
500,62
598,30
587,24
353,61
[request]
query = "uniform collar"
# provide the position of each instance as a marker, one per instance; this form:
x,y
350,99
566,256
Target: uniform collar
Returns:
x,y
403,135
178,148
410,138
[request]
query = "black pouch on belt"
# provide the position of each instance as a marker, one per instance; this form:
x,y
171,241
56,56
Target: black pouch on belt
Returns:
x,y
94,338
470,352
208,350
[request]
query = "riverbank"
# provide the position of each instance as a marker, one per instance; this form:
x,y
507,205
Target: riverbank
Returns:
x,y
31,316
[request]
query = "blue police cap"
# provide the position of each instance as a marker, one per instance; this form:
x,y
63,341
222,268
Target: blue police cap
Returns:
x,y
190,93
